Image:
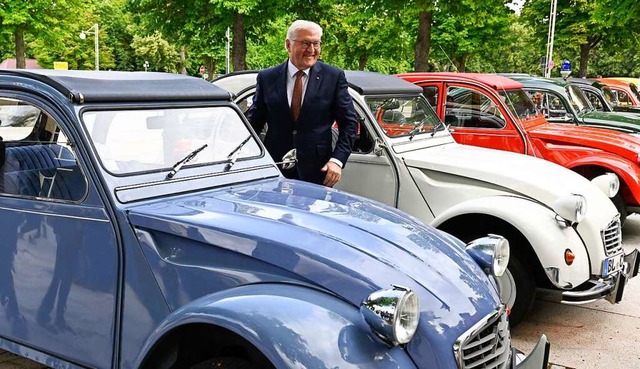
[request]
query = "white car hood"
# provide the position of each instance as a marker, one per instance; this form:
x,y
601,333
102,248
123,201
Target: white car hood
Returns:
x,y
511,173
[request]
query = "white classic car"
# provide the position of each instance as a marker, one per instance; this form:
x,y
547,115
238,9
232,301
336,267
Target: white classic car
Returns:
x,y
564,231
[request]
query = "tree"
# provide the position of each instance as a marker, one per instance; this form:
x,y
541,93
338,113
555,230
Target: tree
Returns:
x,y
462,29
579,29
161,55
42,20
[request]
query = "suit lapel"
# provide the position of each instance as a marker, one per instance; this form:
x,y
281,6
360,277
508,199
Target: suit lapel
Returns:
x,y
280,85
313,86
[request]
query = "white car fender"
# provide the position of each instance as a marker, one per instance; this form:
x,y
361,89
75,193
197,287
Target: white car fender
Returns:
x,y
538,225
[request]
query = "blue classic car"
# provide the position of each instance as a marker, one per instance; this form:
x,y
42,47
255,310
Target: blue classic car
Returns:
x,y
144,226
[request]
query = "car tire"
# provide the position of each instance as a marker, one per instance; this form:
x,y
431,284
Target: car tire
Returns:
x,y
621,206
517,290
224,363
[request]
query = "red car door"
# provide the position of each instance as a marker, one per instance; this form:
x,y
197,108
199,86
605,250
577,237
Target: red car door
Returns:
x,y
475,116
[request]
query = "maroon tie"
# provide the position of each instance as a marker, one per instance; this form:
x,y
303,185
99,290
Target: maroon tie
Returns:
x,y
296,97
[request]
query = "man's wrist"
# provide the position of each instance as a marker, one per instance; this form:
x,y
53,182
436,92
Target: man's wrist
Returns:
x,y
337,162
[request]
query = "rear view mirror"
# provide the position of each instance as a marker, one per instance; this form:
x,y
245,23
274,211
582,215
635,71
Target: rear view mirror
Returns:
x,y
390,104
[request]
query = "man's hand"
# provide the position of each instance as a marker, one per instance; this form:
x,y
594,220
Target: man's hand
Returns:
x,y
333,173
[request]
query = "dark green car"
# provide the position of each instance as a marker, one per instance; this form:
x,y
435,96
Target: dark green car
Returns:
x,y
563,102
601,97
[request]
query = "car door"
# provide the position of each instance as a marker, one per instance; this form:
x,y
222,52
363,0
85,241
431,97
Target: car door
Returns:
x,y
58,253
370,171
477,117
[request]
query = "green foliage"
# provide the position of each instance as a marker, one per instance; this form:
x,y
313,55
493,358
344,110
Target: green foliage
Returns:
x,y
378,35
161,55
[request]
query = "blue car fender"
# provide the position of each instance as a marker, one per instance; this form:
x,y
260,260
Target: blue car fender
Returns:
x,y
289,324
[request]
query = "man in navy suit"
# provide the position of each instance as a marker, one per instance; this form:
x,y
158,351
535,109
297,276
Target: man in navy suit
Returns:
x,y
301,117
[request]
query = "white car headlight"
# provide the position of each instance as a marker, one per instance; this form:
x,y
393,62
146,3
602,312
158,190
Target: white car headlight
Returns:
x,y
491,253
393,314
609,183
571,208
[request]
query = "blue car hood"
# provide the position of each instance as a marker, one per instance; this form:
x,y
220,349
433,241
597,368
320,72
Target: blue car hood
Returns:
x,y
346,244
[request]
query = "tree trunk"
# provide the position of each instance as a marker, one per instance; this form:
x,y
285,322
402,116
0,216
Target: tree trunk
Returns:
x,y
21,63
211,66
461,63
182,68
585,50
423,42
362,61
584,59
239,44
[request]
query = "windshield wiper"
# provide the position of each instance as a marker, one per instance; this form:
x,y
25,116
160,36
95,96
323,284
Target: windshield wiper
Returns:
x,y
416,130
233,155
177,166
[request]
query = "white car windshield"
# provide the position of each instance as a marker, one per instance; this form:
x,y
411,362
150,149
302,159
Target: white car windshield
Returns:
x,y
129,141
404,116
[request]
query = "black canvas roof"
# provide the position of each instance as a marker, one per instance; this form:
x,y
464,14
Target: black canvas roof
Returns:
x,y
104,86
372,83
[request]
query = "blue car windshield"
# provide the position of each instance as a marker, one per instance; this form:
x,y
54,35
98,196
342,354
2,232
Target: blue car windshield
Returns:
x,y
143,140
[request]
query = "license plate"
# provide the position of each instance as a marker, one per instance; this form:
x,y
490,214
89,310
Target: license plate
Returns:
x,y
612,265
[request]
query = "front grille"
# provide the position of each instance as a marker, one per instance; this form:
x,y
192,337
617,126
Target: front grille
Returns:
x,y
487,345
612,237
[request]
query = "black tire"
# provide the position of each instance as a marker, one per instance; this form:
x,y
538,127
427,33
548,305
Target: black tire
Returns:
x,y
224,363
525,290
621,206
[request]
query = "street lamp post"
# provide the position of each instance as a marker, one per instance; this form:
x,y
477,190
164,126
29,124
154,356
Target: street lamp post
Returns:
x,y
93,30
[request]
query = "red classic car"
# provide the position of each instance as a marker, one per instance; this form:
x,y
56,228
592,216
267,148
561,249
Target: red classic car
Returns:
x,y
626,92
493,111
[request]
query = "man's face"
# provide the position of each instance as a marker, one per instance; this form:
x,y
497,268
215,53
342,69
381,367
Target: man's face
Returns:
x,y
303,57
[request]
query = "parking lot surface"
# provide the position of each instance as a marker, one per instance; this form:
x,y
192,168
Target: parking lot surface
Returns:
x,y
597,335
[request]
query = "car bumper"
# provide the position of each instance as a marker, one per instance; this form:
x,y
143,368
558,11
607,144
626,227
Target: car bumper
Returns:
x,y
538,358
610,289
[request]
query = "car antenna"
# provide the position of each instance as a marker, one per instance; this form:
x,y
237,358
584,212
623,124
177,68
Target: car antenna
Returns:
x,y
447,56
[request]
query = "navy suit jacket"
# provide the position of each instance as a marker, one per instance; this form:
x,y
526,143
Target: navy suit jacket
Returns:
x,y
326,100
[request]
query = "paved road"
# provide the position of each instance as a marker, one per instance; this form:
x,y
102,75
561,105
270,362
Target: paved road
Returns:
x,y
594,336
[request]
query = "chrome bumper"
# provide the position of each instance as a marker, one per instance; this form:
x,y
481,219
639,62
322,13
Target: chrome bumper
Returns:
x,y
538,358
610,289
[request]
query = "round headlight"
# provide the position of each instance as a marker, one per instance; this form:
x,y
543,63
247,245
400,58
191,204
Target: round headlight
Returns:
x,y
491,253
501,257
572,207
393,314
609,183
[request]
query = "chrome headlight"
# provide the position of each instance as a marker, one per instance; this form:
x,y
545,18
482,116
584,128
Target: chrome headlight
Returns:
x,y
571,208
392,314
491,253
609,183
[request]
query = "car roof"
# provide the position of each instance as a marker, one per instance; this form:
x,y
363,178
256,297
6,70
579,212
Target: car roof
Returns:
x,y
497,82
534,81
365,83
115,86
372,83
614,82
584,81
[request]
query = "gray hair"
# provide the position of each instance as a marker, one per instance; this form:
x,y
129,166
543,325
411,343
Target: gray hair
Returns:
x,y
300,25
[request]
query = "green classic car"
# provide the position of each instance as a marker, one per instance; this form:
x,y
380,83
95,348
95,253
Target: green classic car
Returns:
x,y
563,102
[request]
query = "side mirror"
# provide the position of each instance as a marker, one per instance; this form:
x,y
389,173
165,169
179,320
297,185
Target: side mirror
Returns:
x,y
378,146
289,159
567,117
